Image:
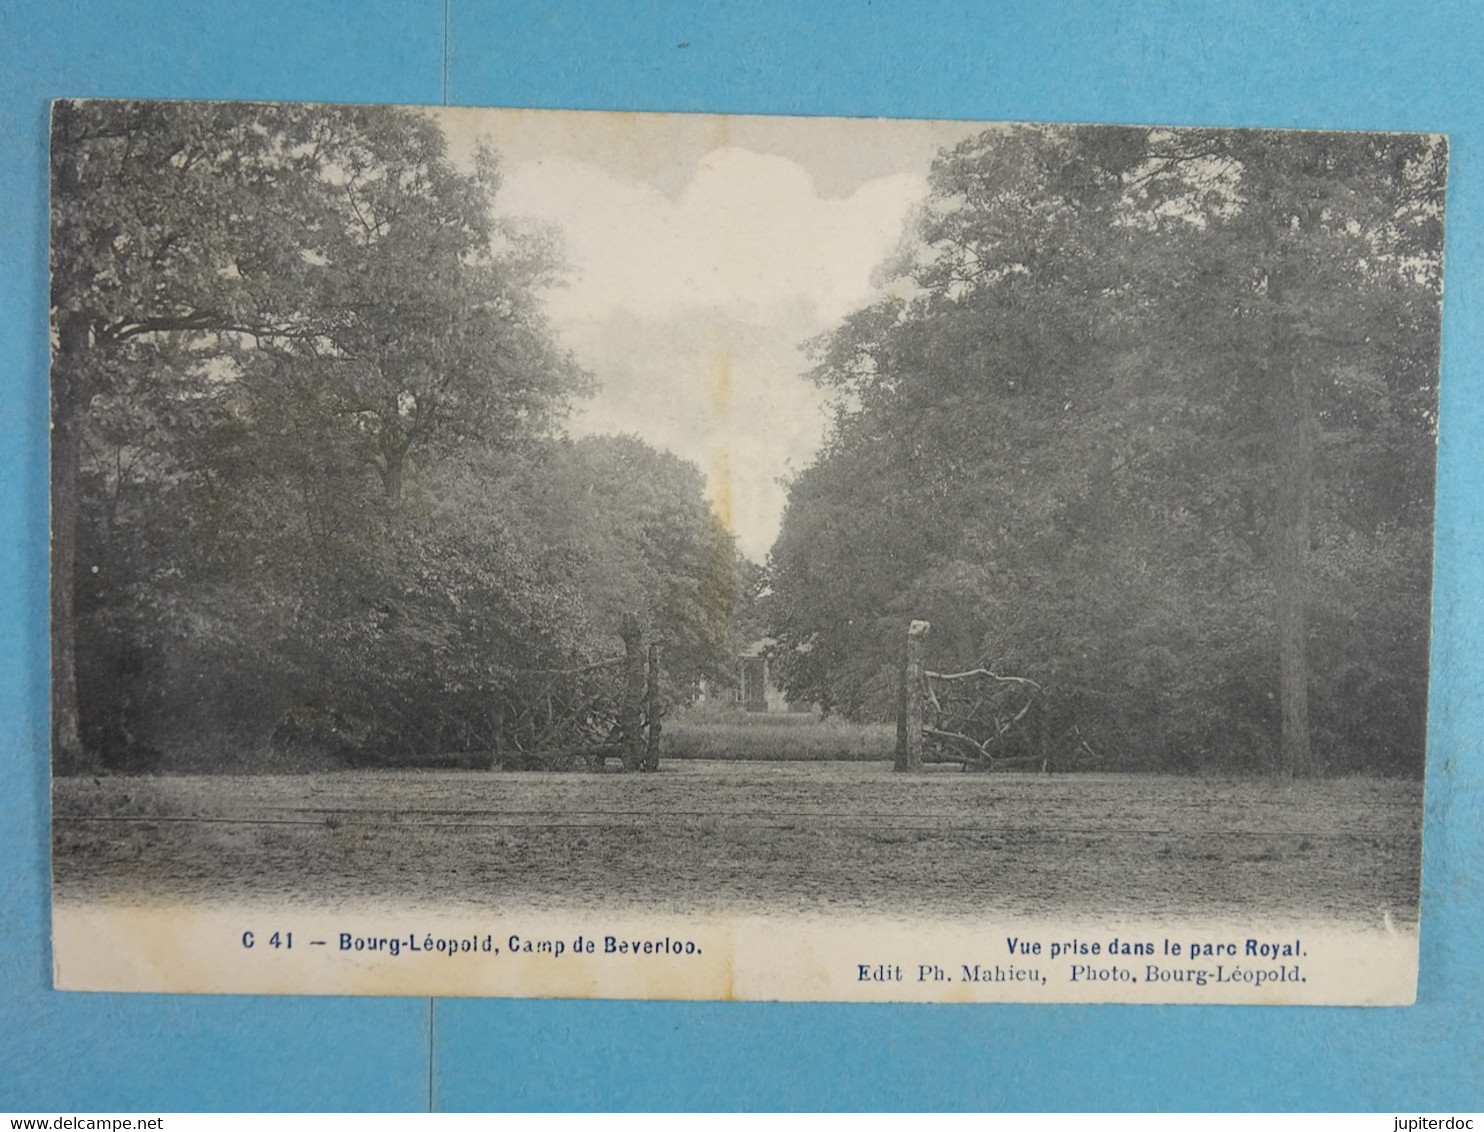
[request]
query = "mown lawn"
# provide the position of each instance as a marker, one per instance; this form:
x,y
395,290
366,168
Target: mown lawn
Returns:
x,y
776,737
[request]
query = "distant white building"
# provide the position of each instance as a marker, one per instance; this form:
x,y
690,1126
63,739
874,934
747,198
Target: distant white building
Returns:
x,y
755,688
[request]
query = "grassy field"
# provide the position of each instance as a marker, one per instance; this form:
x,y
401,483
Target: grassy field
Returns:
x,y
787,837
775,737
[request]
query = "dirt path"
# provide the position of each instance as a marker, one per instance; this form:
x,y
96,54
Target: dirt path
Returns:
x,y
781,837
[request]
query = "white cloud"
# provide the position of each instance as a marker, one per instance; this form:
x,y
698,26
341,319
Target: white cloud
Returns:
x,y
720,391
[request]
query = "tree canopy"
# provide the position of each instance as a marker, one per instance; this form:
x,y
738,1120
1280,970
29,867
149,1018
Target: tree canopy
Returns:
x,y
311,491
1149,417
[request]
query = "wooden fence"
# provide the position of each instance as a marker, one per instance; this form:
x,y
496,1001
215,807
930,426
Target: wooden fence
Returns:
x,y
609,709
977,718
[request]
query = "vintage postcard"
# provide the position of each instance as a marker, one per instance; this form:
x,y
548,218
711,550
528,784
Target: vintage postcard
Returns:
x,y
674,556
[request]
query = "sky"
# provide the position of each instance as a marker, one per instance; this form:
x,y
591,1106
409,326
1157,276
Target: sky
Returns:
x,y
704,251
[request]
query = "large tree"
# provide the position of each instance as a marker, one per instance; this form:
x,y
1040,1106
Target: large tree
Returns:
x,y
1146,388
640,539
268,321
1328,253
171,223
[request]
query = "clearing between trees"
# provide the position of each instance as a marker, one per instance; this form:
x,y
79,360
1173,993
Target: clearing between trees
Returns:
x,y
793,838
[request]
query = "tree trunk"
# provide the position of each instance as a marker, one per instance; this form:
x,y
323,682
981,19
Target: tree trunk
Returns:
x,y
1296,427
631,711
394,460
909,713
67,408
652,711
68,756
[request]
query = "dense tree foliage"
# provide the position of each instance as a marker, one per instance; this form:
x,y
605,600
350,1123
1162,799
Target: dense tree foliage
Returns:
x,y
1150,420
311,496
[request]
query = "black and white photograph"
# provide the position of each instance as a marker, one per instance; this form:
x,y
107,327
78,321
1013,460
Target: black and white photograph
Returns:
x,y
571,554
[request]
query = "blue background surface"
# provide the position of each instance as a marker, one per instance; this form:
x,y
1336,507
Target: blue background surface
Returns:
x,y
1341,65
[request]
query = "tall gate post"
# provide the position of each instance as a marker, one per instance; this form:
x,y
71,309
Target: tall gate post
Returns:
x,y
909,703
652,711
631,711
